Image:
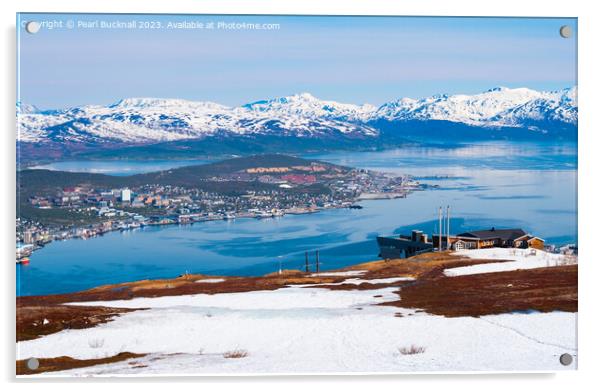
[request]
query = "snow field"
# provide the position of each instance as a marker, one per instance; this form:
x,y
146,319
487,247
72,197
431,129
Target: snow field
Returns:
x,y
301,330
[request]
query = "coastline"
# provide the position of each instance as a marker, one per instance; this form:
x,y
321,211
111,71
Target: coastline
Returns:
x,y
100,229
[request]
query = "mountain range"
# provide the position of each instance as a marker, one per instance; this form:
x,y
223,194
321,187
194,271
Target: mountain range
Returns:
x,y
300,120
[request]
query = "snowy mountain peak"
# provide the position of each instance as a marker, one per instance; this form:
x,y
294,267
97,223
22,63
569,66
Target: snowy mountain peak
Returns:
x,y
440,96
162,103
544,109
498,89
23,108
569,95
304,98
307,105
475,110
301,97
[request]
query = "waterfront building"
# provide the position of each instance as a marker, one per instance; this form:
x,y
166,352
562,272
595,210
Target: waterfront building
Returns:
x,y
126,195
28,237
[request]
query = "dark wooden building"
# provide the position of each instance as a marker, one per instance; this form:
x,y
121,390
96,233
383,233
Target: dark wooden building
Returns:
x,y
513,237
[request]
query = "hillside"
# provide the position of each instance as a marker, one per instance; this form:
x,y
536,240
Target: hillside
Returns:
x,y
34,181
362,318
232,177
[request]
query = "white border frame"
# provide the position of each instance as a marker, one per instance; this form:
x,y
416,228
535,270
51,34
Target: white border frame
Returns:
x,y
590,126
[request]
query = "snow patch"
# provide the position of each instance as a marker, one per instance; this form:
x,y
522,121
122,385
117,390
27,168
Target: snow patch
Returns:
x,y
279,299
358,281
519,259
211,280
338,274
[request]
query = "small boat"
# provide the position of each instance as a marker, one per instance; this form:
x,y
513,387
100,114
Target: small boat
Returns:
x,y
24,261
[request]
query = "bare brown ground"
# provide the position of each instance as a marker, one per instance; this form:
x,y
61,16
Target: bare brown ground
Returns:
x,y
64,362
543,289
36,321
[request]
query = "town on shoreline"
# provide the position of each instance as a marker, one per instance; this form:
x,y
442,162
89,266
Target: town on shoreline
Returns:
x,y
257,187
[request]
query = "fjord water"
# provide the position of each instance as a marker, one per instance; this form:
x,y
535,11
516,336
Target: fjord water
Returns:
x,y
119,167
497,184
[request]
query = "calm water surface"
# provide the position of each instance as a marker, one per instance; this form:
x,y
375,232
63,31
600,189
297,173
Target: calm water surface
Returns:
x,y
532,186
120,167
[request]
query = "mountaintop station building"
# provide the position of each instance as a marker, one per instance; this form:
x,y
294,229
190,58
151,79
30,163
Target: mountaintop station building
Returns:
x,y
406,246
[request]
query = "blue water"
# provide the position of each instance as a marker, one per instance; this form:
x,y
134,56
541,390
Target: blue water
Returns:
x,y
119,167
532,186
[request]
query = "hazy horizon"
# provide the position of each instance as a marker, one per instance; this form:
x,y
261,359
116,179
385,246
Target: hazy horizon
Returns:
x,y
267,98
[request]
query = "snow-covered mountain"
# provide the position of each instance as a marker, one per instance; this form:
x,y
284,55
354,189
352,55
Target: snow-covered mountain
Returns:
x,y
543,111
152,120
306,105
470,109
26,109
141,120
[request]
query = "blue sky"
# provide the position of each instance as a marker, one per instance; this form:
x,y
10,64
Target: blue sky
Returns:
x,y
347,59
